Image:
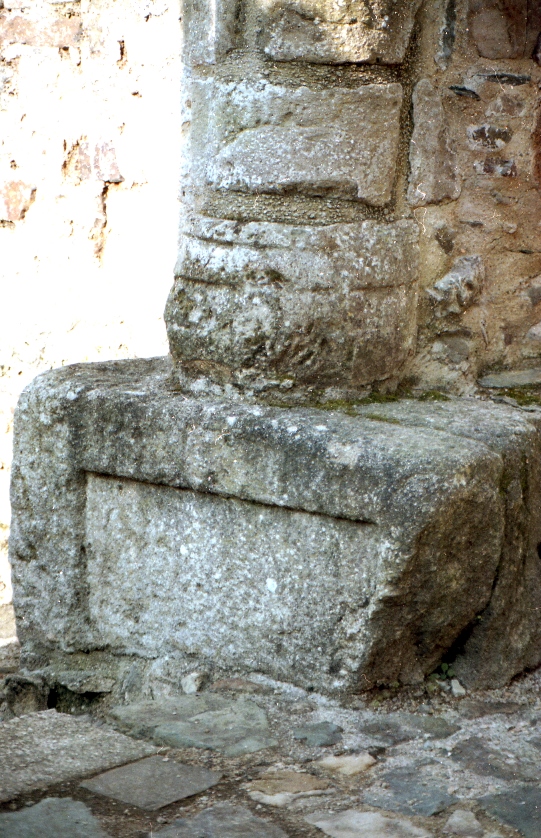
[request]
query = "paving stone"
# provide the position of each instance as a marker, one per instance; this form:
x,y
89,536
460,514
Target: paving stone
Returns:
x,y
49,747
53,817
231,726
473,708
512,378
222,821
409,795
355,824
464,823
401,727
153,782
479,758
349,765
319,735
279,788
519,808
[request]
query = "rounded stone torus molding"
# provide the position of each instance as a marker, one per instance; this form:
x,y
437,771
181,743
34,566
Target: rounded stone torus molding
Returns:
x,y
265,306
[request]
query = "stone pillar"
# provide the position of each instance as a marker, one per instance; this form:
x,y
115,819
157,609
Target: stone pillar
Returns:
x,y
296,273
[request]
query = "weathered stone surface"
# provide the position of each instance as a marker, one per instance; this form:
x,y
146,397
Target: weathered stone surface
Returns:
x,y
394,728
209,29
53,817
463,822
319,306
280,788
475,755
221,820
31,746
431,498
411,792
16,198
519,808
153,782
355,824
348,765
205,721
434,176
268,138
460,288
319,734
505,28
516,587
509,379
330,32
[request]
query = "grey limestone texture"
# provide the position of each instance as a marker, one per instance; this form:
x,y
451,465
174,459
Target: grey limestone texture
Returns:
x,y
222,821
53,817
233,727
304,544
519,808
153,782
48,747
411,793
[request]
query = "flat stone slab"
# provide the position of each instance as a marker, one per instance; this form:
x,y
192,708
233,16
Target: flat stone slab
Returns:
x,y
153,782
474,755
512,378
49,747
402,727
231,726
519,808
409,795
355,824
222,821
319,734
53,817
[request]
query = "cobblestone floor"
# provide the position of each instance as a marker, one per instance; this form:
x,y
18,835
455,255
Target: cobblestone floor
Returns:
x,y
252,758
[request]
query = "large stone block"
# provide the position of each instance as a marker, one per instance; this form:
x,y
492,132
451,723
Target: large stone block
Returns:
x,y
258,137
319,548
433,161
258,303
333,32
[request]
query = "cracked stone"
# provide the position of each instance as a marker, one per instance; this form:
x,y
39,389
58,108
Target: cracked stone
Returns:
x,y
153,782
319,735
220,821
52,818
233,727
282,787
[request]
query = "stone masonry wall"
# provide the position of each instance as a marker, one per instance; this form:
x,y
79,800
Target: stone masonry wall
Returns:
x,y
320,139
89,122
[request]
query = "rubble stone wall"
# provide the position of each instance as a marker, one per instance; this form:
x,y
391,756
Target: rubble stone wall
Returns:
x,y
320,139
89,122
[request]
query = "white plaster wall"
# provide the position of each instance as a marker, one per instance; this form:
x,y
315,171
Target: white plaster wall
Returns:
x,y
89,126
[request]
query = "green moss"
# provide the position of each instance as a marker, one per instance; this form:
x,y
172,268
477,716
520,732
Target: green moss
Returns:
x,y
433,396
378,417
523,397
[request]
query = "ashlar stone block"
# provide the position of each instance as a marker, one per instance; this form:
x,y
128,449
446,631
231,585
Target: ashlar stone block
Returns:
x,y
327,306
258,137
333,32
319,548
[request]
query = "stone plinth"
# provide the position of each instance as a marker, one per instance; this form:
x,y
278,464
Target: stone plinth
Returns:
x,y
329,550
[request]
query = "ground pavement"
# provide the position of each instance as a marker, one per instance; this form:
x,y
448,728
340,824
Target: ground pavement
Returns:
x,y
253,758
